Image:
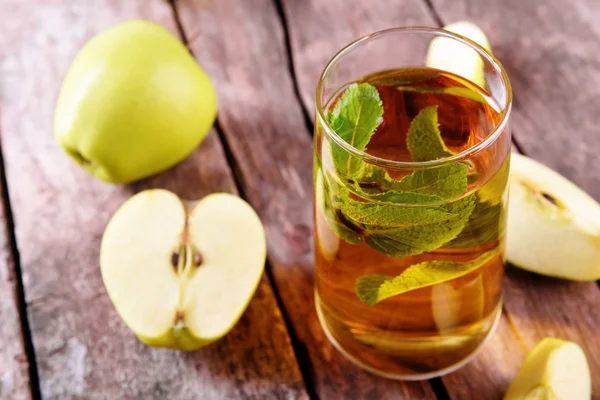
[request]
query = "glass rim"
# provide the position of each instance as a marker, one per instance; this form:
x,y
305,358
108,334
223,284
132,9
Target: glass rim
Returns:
x,y
490,138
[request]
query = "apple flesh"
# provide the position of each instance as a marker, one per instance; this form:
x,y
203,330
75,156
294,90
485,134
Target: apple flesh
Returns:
x,y
555,369
182,279
133,103
553,226
452,56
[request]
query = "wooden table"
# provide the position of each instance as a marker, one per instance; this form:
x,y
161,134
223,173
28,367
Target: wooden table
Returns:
x,y
60,337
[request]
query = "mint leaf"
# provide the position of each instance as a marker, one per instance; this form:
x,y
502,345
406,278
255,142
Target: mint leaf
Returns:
x,y
452,91
473,177
391,78
484,226
354,118
432,233
331,212
447,182
424,139
371,289
383,216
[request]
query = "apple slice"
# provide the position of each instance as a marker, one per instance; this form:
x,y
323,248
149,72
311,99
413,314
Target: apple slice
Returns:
x,y
453,304
555,369
553,226
453,56
182,279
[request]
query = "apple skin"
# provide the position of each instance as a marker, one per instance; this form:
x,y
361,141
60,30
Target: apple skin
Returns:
x,y
184,340
133,103
555,369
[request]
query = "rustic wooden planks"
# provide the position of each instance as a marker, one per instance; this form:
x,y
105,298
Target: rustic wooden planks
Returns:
x,y
535,307
83,349
241,44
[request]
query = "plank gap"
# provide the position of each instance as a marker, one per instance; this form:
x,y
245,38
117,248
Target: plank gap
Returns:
x,y
290,62
299,348
180,29
439,388
434,14
34,383
517,144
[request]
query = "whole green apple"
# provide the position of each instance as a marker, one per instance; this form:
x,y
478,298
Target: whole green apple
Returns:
x,y
133,103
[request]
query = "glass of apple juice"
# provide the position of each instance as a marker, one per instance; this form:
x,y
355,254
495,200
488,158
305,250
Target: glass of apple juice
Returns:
x,y
411,161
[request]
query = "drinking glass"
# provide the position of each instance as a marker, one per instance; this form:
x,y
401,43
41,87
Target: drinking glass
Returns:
x,y
409,263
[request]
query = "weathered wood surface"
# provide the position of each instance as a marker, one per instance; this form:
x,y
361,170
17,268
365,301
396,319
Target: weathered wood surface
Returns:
x,y
14,374
562,309
241,44
83,349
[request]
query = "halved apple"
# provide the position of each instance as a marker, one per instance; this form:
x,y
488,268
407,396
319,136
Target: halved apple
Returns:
x,y
553,226
555,369
453,56
182,277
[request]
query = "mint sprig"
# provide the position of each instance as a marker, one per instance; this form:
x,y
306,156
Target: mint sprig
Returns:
x,y
371,289
394,221
392,230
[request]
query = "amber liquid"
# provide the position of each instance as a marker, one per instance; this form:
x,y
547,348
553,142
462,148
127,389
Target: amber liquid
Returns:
x,y
429,331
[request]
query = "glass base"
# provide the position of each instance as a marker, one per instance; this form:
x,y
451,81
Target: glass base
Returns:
x,y
415,376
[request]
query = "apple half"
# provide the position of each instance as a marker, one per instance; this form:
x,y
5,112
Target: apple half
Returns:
x,y
553,226
556,369
182,277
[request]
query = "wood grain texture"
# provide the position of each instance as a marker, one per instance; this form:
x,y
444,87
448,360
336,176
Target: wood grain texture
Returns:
x,y
551,302
83,348
14,373
241,45
551,51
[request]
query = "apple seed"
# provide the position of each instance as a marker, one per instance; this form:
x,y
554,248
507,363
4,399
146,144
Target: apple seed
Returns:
x,y
549,198
197,259
175,259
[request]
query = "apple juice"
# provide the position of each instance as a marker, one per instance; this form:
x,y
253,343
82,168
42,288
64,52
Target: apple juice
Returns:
x,y
409,257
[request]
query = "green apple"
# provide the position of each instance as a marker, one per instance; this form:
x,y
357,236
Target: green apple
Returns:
x,y
133,103
181,277
452,56
555,370
553,226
